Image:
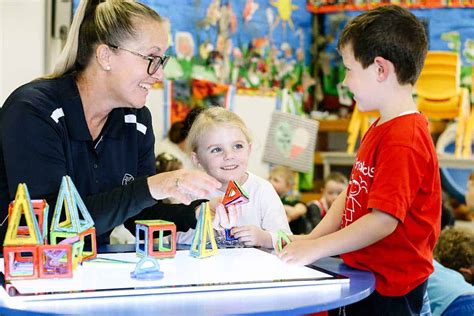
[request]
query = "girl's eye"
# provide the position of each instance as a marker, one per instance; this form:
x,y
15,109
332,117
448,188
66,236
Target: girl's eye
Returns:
x,y
239,146
215,150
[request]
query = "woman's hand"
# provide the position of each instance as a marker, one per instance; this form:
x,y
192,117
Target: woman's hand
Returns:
x,y
183,185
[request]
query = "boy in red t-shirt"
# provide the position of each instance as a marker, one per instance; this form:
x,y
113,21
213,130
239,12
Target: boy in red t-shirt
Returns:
x,y
388,220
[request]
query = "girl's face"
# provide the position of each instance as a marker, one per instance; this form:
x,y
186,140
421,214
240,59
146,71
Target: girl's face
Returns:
x,y
131,81
331,191
223,152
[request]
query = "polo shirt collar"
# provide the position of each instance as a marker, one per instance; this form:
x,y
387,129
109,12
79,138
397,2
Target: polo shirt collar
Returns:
x,y
73,109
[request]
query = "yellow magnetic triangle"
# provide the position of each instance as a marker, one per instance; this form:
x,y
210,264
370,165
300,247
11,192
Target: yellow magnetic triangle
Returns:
x,y
204,232
22,205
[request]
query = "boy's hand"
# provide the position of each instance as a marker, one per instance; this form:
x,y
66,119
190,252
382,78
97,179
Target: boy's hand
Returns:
x,y
299,251
252,235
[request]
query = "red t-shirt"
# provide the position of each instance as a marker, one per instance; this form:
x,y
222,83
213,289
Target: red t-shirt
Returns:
x,y
396,171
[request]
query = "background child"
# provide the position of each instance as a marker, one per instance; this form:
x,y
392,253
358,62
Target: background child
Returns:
x,y
220,144
283,180
167,162
334,184
450,287
388,219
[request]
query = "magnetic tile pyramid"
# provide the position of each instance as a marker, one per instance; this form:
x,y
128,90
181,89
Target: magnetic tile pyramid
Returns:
x,y
22,206
204,234
234,194
73,207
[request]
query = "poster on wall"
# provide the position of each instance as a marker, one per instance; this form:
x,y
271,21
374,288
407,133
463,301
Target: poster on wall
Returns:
x,y
291,141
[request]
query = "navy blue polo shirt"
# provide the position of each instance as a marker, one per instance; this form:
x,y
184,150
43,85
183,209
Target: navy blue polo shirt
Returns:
x,y
44,136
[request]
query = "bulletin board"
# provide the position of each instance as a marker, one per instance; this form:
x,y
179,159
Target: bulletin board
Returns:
x,y
242,268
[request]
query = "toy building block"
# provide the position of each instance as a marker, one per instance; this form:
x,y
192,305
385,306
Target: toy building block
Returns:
x,y
204,233
55,261
41,210
144,272
80,254
26,268
235,194
73,207
147,228
73,225
31,235
282,239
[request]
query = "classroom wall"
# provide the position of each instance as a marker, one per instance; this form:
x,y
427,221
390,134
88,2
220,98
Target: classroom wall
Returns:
x,y
22,43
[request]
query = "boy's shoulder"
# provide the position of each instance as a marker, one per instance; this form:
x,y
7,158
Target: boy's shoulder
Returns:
x,y
407,129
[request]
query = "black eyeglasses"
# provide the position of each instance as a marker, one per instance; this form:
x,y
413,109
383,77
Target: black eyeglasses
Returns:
x,y
154,62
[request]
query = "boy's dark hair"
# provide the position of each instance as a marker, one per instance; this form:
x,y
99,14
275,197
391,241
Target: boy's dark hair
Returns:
x,y
391,32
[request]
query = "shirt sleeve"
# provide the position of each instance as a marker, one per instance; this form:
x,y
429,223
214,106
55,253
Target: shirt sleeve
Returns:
x,y
397,179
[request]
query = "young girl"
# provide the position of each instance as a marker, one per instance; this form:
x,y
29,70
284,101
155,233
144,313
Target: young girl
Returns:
x,y
220,143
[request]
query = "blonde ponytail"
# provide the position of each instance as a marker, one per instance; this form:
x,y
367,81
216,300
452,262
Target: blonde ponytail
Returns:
x,y
68,55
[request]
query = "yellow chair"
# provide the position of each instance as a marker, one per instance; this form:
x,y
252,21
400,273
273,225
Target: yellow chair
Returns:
x,y
439,95
358,126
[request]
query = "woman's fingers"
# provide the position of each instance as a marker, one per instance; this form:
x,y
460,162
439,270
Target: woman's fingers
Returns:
x,y
184,185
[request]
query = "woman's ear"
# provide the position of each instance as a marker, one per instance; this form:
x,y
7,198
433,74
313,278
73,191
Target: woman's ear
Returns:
x,y
103,55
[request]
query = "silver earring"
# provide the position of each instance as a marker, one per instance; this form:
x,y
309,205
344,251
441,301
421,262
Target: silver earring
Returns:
x,y
107,68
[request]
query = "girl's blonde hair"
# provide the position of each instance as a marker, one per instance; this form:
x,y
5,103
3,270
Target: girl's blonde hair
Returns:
x,y
97,22
210,118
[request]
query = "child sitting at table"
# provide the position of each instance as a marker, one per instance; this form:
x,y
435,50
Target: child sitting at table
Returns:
x,y
220,143
334,184
283,180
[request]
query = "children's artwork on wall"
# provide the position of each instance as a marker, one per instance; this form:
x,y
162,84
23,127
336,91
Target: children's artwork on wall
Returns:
x,y
181,96
251,44
291,141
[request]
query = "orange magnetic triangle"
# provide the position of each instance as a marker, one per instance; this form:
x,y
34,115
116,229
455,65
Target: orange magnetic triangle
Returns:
x,y
22,205
234,194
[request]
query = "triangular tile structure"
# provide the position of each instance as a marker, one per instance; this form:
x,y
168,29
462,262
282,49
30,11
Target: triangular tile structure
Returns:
x,y
204,233
234,194
22,205
73,206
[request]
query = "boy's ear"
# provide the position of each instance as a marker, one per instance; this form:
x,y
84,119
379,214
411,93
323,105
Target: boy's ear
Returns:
x,y
383,68
194,159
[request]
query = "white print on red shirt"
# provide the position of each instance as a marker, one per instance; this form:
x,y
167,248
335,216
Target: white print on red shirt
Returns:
x,y
356,186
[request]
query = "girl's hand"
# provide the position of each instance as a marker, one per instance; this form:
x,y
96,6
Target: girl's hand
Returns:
x,y
183,185
252,235
299,252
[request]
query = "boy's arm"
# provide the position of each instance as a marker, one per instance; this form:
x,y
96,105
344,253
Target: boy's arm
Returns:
x,y
364,232
330,223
